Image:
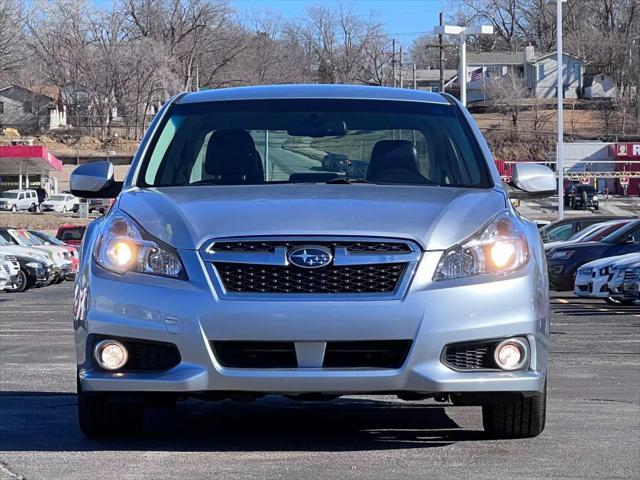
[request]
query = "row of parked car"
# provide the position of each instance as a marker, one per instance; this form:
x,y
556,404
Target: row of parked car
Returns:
x,y
33,200
596,257
32,259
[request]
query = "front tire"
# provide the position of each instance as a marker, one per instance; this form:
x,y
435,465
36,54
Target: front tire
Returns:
x,y
99,417
21,283
523,418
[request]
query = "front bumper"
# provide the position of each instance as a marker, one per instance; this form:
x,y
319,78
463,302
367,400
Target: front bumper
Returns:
x,y
432,315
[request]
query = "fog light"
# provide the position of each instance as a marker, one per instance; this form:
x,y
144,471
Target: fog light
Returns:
x,y
111,355
511,354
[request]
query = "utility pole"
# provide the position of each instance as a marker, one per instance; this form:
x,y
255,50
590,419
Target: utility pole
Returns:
x,y
400,71
415,79
393,61
441,47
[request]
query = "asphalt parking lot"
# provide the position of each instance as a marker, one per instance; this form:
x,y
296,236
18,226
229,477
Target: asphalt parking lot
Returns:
x,y
593,423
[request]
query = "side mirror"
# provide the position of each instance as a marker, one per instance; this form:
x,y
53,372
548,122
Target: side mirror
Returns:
x,y
94,180
532,180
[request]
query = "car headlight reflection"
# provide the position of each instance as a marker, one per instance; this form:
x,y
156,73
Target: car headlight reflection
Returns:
x,y
125,247
499,247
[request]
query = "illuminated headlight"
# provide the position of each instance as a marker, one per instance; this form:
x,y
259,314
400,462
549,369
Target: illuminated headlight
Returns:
x,y
499,247
595,198
511,354
562,254
111,354
124,247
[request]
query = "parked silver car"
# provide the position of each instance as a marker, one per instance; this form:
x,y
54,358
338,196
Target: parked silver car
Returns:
x,y
231,267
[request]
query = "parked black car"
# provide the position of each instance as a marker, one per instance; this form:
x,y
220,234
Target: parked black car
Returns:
x,y
335,162
564,261
584,197
35,272
563,229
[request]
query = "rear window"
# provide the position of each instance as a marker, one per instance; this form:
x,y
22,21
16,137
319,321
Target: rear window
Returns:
x,y
70,234
279,141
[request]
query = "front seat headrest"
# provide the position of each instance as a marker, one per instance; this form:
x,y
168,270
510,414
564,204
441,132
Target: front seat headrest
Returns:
x,y
391,157
232,158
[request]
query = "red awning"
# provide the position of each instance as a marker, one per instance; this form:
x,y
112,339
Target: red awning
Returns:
x,y
36,160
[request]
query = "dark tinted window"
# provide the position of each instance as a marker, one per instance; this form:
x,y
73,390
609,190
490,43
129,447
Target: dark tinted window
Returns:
x,y
275,141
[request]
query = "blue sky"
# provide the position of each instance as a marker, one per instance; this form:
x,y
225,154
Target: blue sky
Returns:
x,y
403,19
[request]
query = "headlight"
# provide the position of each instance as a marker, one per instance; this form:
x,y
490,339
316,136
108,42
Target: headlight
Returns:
x,y
585,271
124,247
605,270
498,247
595,198
34,265
562,254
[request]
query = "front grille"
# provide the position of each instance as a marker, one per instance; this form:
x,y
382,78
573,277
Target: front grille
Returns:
x,y
251,278
470,356
255,354
352,354
350,246
366,354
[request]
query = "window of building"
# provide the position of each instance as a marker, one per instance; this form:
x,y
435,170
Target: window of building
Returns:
x,y
541,73
576,71
27,106
1,107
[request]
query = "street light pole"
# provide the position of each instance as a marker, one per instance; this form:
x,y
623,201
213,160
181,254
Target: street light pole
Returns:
x,y
463,32
560,89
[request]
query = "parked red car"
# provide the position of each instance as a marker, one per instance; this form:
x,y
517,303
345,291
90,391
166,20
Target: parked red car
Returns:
x,y
71,234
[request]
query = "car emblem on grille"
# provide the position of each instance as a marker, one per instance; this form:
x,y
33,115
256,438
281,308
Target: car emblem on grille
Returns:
x,y
310,257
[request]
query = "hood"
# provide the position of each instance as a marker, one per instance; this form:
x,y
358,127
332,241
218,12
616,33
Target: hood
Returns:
x,y
435,217
19,251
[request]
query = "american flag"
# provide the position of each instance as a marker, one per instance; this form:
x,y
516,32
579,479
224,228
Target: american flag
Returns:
x,y
476,75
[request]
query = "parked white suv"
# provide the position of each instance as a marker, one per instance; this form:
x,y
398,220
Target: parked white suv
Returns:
x,y
15,200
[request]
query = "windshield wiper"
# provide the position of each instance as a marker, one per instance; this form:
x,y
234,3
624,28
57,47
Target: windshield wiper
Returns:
x,y
347,180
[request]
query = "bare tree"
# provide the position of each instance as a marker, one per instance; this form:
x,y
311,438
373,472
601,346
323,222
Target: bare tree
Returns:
x,y
11,39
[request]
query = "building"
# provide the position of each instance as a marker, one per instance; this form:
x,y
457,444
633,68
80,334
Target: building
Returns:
x,y
601,85
31,112
430,79
537,72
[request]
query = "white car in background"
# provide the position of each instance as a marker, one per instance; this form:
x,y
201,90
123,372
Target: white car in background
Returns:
x,y
624,274
62,202
9,271
596,279
60,256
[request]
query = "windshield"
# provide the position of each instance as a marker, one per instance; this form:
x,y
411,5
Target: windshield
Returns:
x,y
630,232
24,238
277,141
9,195
586,189
585,232
47,238
56,198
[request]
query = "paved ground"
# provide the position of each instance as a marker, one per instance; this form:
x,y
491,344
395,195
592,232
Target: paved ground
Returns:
x,y
593,427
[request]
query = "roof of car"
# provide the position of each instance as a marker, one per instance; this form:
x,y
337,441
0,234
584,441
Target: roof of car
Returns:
x,y
291,92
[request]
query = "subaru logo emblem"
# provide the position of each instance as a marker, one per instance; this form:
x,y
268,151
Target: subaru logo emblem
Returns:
x,y
310,257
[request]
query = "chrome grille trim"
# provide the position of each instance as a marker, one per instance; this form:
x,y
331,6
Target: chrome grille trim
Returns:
x,y
343,257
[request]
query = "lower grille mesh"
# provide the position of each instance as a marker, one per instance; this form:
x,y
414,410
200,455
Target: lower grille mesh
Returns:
x,y
470,356
251,278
